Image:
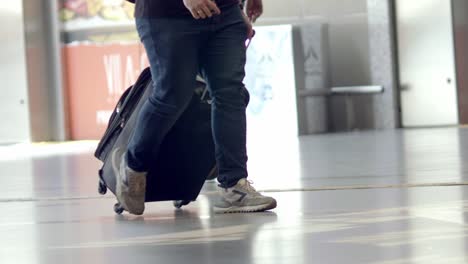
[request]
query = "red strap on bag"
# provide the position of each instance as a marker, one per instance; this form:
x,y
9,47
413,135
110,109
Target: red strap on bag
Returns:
x,y
249,40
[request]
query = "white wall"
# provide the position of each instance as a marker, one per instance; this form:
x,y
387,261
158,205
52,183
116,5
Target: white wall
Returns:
x,y
348,33
349,51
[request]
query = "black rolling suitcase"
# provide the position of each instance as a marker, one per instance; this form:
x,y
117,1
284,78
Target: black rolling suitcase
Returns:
x,y
186,157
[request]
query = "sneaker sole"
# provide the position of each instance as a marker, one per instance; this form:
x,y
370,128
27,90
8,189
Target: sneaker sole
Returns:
x,y
245,209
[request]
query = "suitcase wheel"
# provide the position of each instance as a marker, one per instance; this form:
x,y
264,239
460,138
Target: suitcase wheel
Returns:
x,y
102,188
118,209
179,203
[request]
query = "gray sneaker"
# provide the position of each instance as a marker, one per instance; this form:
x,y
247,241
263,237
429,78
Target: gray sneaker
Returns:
x,y
130,184
243,198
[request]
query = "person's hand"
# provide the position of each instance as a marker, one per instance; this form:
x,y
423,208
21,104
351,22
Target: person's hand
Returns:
x,y
201,8
250,31
254,9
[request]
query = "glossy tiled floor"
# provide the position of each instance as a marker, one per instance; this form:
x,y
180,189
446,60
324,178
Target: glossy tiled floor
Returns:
x,y
334,206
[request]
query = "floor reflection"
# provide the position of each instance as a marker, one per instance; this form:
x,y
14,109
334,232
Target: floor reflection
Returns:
x,y
51,212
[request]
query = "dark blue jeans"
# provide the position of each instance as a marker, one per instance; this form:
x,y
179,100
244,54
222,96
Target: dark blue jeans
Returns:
x,y
178,48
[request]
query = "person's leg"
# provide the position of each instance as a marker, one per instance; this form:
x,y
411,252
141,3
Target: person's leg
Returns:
x,y
223,66
223,61
172,49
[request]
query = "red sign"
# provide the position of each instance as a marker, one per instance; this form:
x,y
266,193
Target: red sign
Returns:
x,y
96,76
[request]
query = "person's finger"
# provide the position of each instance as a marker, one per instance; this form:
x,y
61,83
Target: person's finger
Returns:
x,y
255,10
253,16
213,7
250,13
260,9
207,11
200,12
195,14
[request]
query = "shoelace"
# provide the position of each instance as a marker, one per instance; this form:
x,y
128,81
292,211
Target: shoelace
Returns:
x,y
248,186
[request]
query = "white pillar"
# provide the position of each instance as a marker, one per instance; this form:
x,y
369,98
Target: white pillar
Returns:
x,y
14,92
382,55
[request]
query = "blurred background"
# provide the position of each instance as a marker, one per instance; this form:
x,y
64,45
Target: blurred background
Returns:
x,y
354,103
335,66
